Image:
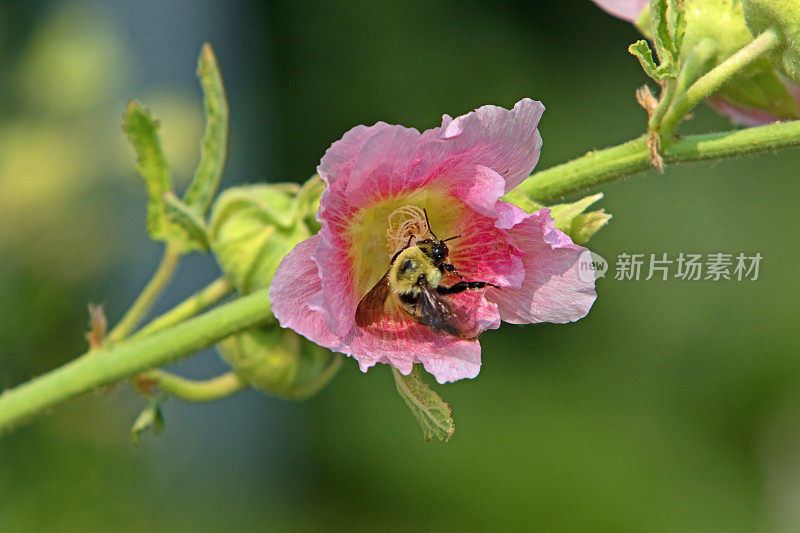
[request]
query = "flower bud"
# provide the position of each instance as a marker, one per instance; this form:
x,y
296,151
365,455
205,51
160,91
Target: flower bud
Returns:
x,y
759,93
715,30
279,361
254,226
783,15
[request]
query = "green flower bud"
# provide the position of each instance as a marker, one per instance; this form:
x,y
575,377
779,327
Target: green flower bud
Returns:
x,y
783,15
715,30
759,86
253,227
279,361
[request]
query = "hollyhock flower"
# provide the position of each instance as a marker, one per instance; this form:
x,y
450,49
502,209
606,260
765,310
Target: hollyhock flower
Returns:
x,y
632,10
380,180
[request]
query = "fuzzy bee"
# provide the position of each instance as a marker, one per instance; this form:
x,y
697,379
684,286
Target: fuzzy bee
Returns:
x,y
413,283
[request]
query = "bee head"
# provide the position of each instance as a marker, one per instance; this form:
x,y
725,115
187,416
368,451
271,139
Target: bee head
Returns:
x,y
439,250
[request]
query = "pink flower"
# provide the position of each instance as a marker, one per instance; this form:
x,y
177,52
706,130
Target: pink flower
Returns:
x,y
379,180
629,10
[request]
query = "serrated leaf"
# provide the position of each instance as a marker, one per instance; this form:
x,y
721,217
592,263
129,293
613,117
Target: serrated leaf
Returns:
x,y
150,418
677,23
662,17
142,132
181,215
213,147
641,49
432,413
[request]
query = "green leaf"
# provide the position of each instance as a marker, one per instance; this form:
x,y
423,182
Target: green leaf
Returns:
x,y
142,132
194,227
433,414
642,51
569,218
150,418
584,226
664,16
564,214
215,140
521,200
677,23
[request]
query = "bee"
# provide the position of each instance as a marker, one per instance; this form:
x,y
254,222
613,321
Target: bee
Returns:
x,y
413,283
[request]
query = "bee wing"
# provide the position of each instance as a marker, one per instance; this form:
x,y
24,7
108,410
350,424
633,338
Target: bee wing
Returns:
x,y
436,312
372,306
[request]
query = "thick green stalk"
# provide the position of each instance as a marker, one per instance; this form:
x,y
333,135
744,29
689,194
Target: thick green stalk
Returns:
x,y
603,166
110,364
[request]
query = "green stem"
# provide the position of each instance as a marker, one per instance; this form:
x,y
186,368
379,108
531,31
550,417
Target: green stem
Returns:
x,y
113,363
145,300
666,97
197,391
716,78
188,308
603,166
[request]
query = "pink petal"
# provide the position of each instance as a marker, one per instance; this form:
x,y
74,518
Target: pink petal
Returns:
x,y
750,116
552,290
507,142
742,115
382,161
448,358
295,281
629,10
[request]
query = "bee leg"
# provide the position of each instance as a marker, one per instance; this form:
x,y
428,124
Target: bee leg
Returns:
x,y
450,268
462,286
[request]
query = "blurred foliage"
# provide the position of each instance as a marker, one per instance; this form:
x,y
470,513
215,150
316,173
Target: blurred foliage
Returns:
x,y
672,407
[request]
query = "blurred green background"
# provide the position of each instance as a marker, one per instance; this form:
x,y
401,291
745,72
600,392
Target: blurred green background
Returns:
x,y
674,406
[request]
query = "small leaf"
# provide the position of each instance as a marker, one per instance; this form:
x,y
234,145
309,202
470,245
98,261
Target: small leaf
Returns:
x,y
584,226
142,132
214,144
563,214
663,16
642,51
150,418
521,200
189,221
433,414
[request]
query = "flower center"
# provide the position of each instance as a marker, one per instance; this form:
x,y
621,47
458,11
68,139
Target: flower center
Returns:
x,y
405,223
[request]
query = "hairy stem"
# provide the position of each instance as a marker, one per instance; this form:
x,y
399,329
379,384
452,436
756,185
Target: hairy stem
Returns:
x,y
196,391
716,78
212,293
603,166
145,300
113,363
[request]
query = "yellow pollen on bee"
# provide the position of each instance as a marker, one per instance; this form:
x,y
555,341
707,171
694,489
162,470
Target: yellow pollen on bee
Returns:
x,y
404,223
